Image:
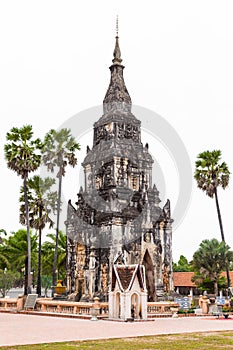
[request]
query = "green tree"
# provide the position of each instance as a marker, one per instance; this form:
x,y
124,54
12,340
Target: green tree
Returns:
x,y
48,254
42,201
4,263
7,280
183,265
210,260
2,232
16,248
211,173
23,156
59,151
206,284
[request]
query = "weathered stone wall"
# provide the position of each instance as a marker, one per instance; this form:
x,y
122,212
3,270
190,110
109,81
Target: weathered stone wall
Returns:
x,y
117,218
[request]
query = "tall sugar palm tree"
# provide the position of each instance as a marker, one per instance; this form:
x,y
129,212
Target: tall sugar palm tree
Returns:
x,y
211,173
59,151
23,156
42,201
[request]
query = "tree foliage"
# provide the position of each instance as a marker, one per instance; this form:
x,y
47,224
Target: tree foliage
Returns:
x,y
210,260
7,280
59,151
15,247
48,254
42,202
210,173
21,151
183,265
23,156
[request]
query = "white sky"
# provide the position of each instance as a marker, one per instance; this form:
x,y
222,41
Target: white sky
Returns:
x,y
178,56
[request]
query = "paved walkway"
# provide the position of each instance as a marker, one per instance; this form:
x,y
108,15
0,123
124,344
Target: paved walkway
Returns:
x,y
16,329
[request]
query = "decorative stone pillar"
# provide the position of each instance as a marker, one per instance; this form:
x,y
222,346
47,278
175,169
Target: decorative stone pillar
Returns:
x,y
20,302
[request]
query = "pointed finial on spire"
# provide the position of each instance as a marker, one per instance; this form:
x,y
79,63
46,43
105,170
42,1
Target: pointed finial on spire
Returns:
x,y
117,26
117,52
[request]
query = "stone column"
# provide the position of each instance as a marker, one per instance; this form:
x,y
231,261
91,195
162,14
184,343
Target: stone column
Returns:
x,y
110,305
144,305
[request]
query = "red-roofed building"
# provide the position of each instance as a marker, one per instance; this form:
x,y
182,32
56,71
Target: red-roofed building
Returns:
x,y
183,283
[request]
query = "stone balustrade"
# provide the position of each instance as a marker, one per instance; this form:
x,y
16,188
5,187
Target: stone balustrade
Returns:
x,y
8,303
162,307
56,306
70,307
81,308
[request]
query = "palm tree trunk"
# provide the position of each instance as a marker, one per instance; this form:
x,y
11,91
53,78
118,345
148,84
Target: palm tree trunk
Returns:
x,y
66,277
25,275
222,234
38,288
57,229
28,236
215,287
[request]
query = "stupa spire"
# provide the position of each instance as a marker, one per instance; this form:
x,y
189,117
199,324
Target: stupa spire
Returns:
x,y
117,52
117,96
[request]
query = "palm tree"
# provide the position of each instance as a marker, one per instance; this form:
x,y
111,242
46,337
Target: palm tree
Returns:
x,y
41,204
59,151
22,156
16,248
210,260
48,253
210,174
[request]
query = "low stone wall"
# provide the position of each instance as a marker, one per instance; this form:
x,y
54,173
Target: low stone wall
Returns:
x,y
55,306
12,304
7,303
96,308
162,307
70,307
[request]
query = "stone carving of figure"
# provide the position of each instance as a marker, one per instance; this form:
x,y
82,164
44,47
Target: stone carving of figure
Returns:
x,y
166,279
89,181
204,303
92,260
104,278
98,182
147,237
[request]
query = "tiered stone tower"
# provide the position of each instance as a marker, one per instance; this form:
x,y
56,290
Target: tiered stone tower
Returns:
x,y
118,219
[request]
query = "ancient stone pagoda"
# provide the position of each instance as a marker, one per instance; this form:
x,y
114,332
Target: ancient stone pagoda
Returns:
x,y
117,218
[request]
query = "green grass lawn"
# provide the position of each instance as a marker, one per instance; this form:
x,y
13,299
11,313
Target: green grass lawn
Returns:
x,y
205,341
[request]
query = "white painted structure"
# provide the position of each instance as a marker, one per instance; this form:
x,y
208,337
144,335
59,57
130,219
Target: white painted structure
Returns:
x,y
128,295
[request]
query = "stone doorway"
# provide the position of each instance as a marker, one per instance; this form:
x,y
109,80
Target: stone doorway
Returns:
x,y
80,289
135,307
150,279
